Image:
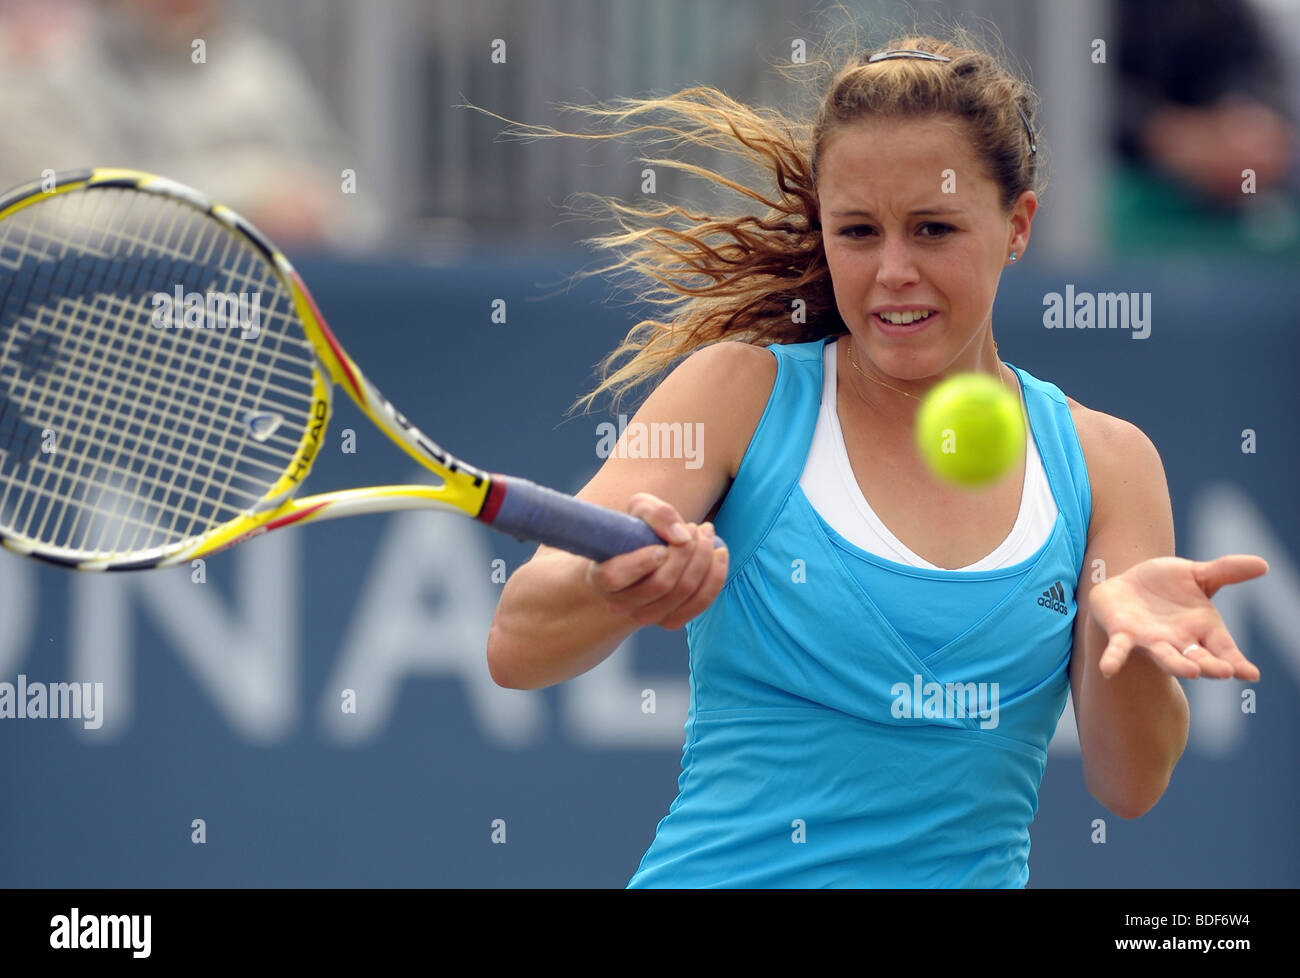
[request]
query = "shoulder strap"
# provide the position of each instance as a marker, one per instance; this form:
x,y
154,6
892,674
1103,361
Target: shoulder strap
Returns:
x,y
774,461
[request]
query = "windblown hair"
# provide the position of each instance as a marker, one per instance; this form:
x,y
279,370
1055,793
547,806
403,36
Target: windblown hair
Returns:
x,y
717,276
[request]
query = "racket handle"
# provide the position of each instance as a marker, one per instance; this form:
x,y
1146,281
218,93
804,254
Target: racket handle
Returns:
x,y
528,511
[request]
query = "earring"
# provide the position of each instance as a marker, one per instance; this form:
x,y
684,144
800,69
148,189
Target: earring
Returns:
x,y
1014,256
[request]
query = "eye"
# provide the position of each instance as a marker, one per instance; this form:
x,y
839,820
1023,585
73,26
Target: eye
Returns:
x,y
934,229
857,231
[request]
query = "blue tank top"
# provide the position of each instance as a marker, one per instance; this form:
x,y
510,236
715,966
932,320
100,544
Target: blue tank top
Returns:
x,y
824,750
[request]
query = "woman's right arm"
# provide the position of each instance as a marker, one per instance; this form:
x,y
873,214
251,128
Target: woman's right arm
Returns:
x,y
561,615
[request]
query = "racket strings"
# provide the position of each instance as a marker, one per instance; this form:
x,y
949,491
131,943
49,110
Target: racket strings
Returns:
x,y
71,322
193,503
85,430
240,262
151,435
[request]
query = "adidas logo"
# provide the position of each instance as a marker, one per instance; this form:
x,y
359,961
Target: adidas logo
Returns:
x,y
1054,598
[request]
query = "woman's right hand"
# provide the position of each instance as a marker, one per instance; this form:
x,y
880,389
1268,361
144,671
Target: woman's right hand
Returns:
x,y
662,585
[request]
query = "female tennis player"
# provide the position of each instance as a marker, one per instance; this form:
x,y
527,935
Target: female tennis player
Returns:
x,y
878,660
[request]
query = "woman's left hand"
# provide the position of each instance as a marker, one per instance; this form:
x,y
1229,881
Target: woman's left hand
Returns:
x,y
1162,607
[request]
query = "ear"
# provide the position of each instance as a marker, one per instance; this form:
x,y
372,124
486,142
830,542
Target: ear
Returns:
x,y
1021,219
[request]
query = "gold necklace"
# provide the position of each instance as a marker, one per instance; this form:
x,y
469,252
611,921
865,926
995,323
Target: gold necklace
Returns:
x,y
853,363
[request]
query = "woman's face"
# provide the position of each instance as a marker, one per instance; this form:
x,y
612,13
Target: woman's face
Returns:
x,y
912,224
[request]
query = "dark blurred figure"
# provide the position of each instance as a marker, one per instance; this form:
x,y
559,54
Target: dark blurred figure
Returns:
x,y
116,83
1202,97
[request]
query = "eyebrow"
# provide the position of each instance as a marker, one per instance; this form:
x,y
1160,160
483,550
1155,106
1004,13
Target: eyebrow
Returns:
x,y
923,212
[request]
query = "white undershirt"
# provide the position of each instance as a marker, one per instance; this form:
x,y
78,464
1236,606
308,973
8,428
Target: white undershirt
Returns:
x,y
831,487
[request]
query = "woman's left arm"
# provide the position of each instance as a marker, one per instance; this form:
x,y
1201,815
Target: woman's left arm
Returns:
x,y
1135,624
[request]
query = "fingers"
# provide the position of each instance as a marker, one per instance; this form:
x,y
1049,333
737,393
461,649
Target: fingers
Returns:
x,y
619,573
664,585
1220,642
1170,658
675,583
1209,665
1116,653
1228,569
705,593
1165,655
1218,658
662,517
698,585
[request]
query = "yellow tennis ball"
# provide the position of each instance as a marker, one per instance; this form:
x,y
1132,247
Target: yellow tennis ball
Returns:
x,y
970,430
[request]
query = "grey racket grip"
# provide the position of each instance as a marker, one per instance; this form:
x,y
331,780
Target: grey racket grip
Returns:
x,y
531,512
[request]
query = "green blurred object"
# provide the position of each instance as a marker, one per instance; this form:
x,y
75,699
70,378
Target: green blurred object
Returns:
x,y
1151,214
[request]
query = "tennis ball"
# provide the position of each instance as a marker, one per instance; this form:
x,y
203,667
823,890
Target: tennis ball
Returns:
x,y
970,430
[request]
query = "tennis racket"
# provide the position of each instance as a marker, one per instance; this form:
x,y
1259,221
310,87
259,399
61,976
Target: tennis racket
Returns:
x,y
165,384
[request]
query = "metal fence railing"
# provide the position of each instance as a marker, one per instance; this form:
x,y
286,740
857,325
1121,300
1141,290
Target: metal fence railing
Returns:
x,y
394,70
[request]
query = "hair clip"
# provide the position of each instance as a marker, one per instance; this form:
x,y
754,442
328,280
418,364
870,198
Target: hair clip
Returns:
x,y
1033,146
906,53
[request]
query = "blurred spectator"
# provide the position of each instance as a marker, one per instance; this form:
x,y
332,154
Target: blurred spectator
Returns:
x,y
1203,97
118,83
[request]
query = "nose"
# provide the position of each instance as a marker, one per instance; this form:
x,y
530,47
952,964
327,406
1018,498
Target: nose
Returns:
x,y
897,269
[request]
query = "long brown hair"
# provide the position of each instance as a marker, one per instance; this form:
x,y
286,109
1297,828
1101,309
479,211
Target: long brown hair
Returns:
x,y
762,277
